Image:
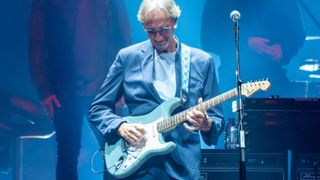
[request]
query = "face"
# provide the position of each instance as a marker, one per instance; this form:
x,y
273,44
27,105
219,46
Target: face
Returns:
x,y
159,28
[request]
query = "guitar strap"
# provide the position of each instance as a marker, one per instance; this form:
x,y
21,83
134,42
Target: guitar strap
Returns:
x,y
185,72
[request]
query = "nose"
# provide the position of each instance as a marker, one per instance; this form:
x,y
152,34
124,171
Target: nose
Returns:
x,y
158,36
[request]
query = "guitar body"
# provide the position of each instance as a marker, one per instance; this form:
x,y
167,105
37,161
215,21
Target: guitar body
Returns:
x,y
122,160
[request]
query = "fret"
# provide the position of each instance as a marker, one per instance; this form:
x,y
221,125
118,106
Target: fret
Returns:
x,y
178,119
202,107
175,119
206,105
215,101
181,116
223,97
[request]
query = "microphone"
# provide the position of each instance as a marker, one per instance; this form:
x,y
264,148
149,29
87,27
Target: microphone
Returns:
x,y
235,15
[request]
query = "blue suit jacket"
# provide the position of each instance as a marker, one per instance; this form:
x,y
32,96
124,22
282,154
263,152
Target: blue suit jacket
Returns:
x,y
131,75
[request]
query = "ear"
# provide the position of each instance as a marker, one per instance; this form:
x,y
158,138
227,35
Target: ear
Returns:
x,y
174,20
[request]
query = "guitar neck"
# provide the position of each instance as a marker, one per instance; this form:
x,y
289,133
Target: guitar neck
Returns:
x,y
171,122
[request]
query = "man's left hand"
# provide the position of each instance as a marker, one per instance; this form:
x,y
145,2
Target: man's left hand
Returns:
x,y
199,120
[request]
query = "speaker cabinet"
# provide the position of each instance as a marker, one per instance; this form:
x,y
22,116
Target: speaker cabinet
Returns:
x,y
307,166
233,174
35,159
224,165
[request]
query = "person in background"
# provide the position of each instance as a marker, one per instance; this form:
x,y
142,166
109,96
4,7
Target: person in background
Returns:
x,y
147,74
72,45
270,32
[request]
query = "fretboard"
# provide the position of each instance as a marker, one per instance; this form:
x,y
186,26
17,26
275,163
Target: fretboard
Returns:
x,y
171,122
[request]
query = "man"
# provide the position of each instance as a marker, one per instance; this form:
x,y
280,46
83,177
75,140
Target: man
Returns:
x,y
71,46
149,73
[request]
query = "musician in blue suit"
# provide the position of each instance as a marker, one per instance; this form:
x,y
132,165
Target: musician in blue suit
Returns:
x,y
147,74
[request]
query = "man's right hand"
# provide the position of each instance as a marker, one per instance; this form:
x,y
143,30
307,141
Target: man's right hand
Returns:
x,y
133,133
50,103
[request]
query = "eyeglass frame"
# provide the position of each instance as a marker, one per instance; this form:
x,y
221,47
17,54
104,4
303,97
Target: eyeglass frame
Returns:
x,y
164,31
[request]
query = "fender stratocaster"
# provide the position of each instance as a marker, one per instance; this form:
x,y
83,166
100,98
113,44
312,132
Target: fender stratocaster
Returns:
x,y
122,159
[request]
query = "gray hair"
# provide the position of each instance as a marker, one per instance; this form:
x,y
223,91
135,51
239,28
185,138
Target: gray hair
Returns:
x,y
148,5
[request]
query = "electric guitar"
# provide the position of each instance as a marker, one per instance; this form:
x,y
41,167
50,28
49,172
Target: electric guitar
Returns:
x,y
123,159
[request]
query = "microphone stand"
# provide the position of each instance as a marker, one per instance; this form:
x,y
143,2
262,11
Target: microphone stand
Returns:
x,y
241,135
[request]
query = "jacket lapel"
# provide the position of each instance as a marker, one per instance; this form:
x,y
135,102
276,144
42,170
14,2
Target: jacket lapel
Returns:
x,y
147,68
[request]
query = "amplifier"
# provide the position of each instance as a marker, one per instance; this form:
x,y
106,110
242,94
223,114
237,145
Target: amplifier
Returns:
x,y
308,174
233,174
224,164
307,166
275,125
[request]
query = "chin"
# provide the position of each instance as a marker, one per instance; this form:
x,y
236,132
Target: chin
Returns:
x,y
161,47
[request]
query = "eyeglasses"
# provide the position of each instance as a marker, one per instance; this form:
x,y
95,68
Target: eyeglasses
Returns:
x,y
163,31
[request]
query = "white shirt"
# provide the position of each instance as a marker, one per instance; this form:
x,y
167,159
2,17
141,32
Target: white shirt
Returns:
x,y
165,75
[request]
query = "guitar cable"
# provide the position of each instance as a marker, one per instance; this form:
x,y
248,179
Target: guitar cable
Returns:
x,y
93,169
